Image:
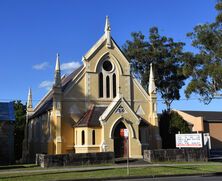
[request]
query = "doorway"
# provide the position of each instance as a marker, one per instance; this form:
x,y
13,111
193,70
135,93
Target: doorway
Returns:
x,y
120,142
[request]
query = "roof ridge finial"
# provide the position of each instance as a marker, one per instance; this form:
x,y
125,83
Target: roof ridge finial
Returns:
x,y
152,86
108,32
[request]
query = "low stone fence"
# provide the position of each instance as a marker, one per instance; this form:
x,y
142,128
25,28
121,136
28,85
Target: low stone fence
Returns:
x,y
177,155
74,159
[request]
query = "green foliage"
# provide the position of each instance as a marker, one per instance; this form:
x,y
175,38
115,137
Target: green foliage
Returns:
x,y
207,69
167,57
218,7
170,124
20,117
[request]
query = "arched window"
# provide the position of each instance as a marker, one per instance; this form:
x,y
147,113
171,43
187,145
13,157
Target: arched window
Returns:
x,y
100,84
107,80
93,137
114,85
83,137
107,87
76,137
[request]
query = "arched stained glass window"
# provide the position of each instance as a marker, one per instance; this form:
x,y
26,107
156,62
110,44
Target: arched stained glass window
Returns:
x,y
107,87
114,85
100,84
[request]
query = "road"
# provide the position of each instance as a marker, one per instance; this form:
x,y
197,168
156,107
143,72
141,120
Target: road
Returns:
x,y
184,178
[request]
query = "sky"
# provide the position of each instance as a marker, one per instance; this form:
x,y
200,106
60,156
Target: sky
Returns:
x,y
32,32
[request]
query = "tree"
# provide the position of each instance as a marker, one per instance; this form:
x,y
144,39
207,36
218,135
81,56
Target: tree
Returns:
x,y
170,124
20,118
206,75
218,7
167,58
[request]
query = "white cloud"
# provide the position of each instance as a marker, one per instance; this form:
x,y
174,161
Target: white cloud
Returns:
x,y
70,66
41,66
46,84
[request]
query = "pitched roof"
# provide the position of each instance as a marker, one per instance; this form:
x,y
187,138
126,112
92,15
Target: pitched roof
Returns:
x,y
91,117
113,105
44,108
46,103
7,111
207,115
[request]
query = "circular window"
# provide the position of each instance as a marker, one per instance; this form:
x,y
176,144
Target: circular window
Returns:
x,y
107,66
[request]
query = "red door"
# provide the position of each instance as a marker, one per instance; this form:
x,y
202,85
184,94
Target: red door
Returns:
x,y
124,145
120,142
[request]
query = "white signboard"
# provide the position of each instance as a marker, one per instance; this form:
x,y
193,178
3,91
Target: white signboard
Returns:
x,y
126,133
189,140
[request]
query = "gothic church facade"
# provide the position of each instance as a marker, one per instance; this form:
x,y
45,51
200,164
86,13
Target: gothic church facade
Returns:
x,y
88,110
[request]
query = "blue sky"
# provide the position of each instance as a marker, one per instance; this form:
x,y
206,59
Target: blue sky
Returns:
x,y
32,32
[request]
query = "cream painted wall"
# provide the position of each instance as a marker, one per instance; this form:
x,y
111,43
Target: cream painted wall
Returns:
x,y
83,91
88,145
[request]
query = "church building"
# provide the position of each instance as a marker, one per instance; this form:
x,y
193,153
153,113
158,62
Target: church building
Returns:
x,y
95,109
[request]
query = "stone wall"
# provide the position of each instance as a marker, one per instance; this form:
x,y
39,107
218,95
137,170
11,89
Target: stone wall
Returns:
x,y
177,155
74,159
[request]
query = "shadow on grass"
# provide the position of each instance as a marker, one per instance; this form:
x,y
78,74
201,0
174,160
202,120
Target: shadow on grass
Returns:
x,y
16,166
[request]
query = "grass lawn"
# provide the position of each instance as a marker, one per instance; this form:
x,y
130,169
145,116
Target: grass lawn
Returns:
x,y
143,171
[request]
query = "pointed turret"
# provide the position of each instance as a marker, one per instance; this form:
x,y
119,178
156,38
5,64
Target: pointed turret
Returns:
x,y
152,86
57,72
108,32
57,106
156,140
29,101
25,144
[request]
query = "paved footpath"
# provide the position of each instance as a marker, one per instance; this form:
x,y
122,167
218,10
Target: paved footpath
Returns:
x,y
89,168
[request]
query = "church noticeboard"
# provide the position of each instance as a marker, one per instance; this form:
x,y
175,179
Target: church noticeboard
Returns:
x,y
189,140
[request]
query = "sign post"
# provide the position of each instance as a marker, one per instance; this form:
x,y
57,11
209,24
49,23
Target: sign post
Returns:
x,y
126,135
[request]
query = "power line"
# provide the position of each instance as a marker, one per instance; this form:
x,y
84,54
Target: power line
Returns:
x,y
96,100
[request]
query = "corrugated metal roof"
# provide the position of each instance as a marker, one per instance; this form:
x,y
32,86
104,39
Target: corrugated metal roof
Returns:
x,y
7,111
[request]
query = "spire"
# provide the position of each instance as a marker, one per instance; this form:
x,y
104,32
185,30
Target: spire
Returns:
x,y
57,67
107,25
152,86
29,101
57,71
108,32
